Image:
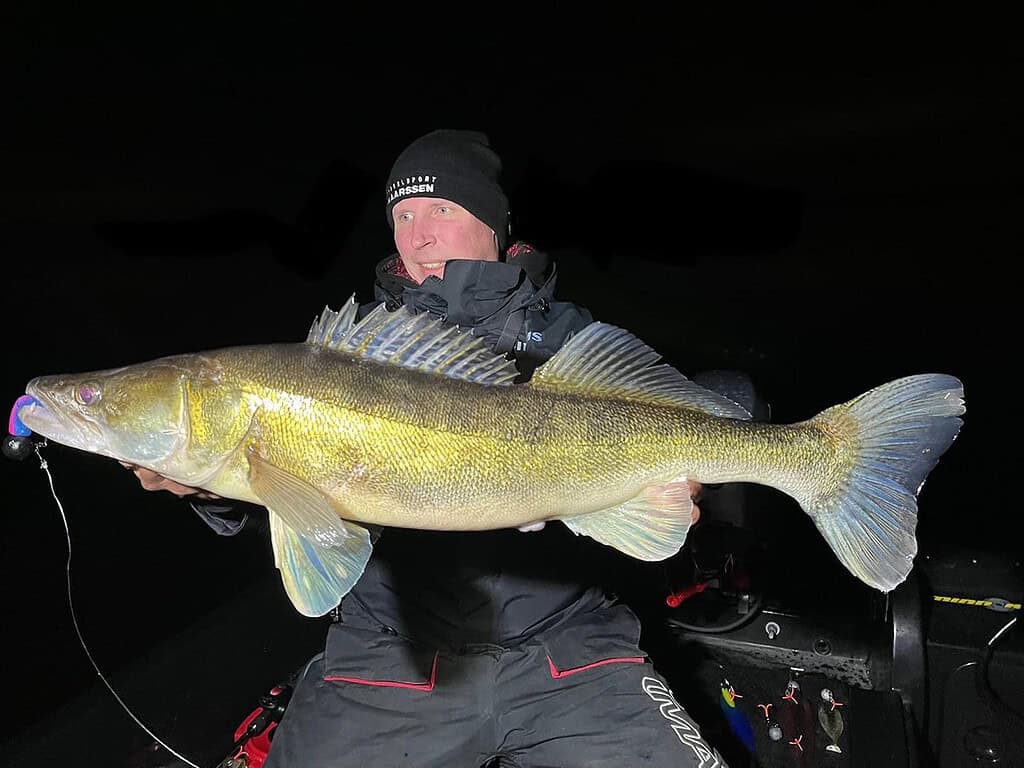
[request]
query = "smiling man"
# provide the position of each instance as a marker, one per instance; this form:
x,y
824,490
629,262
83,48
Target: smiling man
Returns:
x,y
430,227
431,231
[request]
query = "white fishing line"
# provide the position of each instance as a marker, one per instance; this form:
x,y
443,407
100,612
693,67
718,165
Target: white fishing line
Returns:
x,y
67,531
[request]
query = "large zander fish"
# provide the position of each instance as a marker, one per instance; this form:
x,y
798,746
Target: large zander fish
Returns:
x,y
400,420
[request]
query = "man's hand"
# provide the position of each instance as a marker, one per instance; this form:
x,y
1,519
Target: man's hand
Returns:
x,y
153,481
696,489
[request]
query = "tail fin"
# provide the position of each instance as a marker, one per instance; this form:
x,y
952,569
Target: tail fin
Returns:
x,y
897,432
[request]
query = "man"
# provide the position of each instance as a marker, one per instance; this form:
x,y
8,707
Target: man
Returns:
x,y
486,648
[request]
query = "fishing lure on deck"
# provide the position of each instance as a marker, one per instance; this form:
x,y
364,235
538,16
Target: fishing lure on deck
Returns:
x,y
738,722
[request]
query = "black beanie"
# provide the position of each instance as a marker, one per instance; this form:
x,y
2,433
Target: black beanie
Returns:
x,y
455,165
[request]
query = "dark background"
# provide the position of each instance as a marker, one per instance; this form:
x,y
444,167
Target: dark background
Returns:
x,y
824,202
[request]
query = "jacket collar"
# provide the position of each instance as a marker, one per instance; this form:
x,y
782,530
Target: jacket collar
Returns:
x,y
472,293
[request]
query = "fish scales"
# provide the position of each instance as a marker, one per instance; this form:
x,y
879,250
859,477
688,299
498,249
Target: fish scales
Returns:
x,y
398,450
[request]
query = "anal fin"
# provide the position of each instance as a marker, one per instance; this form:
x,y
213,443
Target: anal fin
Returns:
x,y
651,526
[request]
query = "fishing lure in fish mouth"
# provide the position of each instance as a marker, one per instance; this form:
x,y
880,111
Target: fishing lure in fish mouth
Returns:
x,y
19,444
14,423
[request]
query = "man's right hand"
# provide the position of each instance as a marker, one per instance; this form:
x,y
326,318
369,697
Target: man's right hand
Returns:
x,y
154,481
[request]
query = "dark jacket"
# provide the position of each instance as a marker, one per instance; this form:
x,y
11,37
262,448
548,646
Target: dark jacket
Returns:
x,y
510,303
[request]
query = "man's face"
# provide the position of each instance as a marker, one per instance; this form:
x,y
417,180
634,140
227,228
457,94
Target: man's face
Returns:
x,y
430,231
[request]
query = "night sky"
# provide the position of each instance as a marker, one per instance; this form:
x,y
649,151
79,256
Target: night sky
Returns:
x,y
825,203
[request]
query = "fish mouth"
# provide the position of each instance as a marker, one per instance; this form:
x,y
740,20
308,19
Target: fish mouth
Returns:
x,y
45,415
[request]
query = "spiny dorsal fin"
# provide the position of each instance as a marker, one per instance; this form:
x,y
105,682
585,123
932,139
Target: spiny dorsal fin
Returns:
x,y
606,361
419,342
331,325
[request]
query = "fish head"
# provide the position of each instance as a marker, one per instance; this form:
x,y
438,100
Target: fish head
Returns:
x,y
134,414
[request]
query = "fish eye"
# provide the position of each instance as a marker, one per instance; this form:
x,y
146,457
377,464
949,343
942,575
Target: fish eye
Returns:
x,y
87,394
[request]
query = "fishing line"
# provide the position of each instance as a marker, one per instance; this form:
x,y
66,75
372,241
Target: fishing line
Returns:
x,y
67,532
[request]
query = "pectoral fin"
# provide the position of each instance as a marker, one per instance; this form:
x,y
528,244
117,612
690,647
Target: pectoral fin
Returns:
x,y
317,577
651,526
304,508
320,556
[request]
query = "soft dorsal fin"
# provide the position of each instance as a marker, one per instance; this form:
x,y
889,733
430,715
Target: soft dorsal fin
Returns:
x,y
419,342
606,361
